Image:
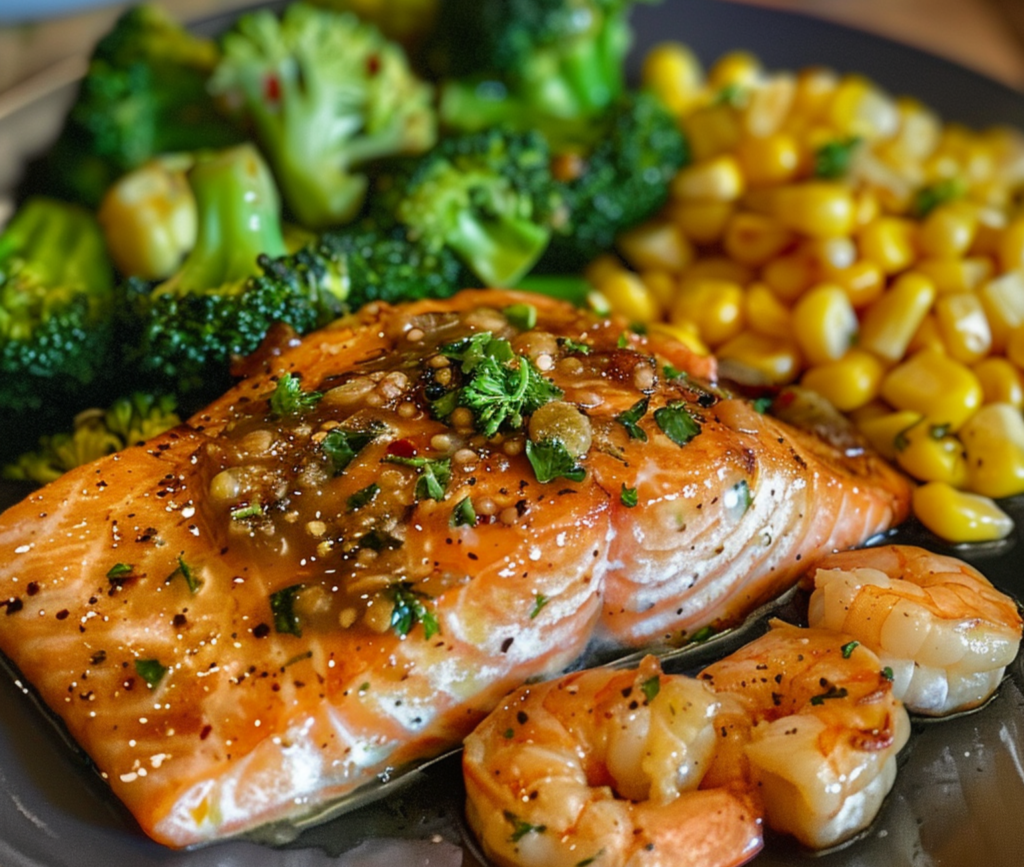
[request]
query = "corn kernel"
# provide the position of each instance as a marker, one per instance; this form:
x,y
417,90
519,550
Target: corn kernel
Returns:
x,y
662,285
958,516
1011,246
948,231
964,328
848,383
886,432
603,266
789,276
1015,346
719,268
890,322
824,324
918,133
830,255
629,297
701,222
760,359
712,130
927,336
818,209
764,313
735,68
859,108
994,441
685,333
889,242
863,282
675,74
938,387
718,179
714,306
815,87
773,159
754,239
656,244
930,454
1003,301
768,105
1001,382
956,275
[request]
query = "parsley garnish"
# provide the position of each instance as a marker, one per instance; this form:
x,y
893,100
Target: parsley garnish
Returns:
x,y
733,94
551,460
341,445
848,648
832,692
670,371
833,159
185,571
282,607
887,673
119,571
521,316
651,687
628,496
739,498
150,670
762,404
676,423
410,609
244,512
288,398
520,828
508,734
629,419
901,440
928,198
434,474
703,634
463,515
539,602
574,346
363,497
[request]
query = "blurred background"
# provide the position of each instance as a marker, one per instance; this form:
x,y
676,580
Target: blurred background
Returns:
x,y
984,35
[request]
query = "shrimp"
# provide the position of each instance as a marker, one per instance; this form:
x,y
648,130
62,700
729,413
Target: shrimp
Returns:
x,y
602,767
818,734
945,632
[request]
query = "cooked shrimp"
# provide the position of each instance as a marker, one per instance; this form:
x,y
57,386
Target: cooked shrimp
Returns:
x,y
820,735
945,632
601,767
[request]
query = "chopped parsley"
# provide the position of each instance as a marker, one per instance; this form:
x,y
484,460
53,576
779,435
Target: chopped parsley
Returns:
x,y
651,687
434,475
463,515
630,418
151,671
574,346
703,634
628,496
185,571
245,512
410,609
508,734
762,404
521,316
282,607
670,371
677,423
848,648
551,460
119,571
834,159
832,692
929,197
538,604
738,499
341,445
363,497
887,673
520,828
288,398
734,95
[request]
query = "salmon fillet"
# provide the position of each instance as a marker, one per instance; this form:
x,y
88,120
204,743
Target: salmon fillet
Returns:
x,y
341,565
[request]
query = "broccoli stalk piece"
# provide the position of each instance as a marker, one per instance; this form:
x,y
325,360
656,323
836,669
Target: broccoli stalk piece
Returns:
x,y
619,179
95,434
326,94
488,197
235,284
536,60
56,305
144,95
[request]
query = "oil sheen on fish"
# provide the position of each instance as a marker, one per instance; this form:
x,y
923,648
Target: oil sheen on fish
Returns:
x,y
341,565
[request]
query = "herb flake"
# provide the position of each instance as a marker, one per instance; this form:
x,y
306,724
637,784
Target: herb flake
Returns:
x,y
630,418
628,496
289,399
341,446
651,687
551,460
677,423
463,515
848,648
151,671
363,497
434,475
521,828
282,607
410,609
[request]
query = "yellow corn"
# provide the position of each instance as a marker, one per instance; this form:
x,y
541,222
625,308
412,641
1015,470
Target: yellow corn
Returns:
x,y
675,74
629,296
656,244
1001,382
1015,346
818,209
890,322
765,359
815,88
830,255
824,324
956,275
848,383
964,328
889,242
927,336
918,133
603,266
994,441
735,68
862,281
718,179
768,105
858,108
948,231
938,387
886,431
755,239
930,454
685,333
1011,246
789,276
1003,301
719,268
714,306
662,285
702,222
764,313
958,516
712,130
769,160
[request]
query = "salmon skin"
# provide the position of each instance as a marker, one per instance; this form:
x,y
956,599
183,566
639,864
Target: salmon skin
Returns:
x,y
340,566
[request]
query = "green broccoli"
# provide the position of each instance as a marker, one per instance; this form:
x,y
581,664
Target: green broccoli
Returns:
x,y
530,61
326,95
622,179
95,434
487,196
145,94
238,280
56,305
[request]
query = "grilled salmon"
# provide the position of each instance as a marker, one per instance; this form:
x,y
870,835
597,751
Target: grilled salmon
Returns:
x,y
342,564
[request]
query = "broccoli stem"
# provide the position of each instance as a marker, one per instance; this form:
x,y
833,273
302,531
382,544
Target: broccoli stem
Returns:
x,y
499,251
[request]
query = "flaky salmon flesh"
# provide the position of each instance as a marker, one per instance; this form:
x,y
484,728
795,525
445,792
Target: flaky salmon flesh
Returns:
x,y
340,566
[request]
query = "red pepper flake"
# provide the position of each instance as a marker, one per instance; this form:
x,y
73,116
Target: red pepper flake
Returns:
x,y
402,449
373,64
272,88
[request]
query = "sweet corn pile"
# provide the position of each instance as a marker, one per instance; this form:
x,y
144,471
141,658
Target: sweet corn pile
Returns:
x,y
828,234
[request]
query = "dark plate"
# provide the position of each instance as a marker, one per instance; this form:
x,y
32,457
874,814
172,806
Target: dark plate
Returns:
x,y
960,793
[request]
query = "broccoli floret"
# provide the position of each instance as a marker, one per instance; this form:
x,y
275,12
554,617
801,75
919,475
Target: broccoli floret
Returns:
x,y
237,281
56,305
618,181
95,434
487,196
326,94
529,61
144,95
